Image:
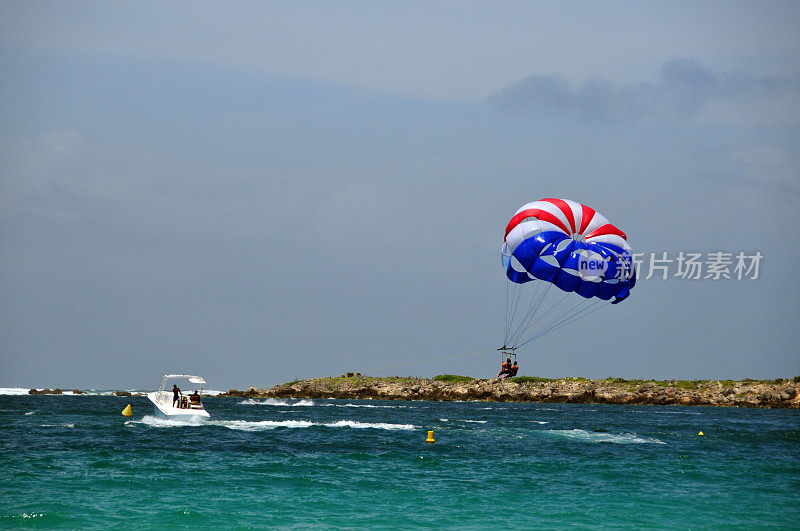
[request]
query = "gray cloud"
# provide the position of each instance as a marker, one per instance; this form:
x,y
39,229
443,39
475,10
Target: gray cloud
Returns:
x,y
684,89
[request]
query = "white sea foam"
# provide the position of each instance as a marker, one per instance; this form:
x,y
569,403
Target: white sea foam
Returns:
x,y
65,392
261,425
604,437
157,422
64,425
667,412
13,391
378,425
29,515
30,413
89,392
477,421
276,402
540,422
251,402
18,391
272,424
364,405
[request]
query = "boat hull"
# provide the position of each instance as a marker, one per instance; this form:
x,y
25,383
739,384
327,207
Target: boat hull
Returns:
x,y
162,403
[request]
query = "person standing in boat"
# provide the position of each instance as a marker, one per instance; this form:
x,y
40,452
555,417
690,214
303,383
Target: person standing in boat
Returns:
x,y
176,394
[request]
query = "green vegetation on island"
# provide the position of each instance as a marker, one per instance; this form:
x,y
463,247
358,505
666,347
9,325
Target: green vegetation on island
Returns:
x,y
777,393
452,378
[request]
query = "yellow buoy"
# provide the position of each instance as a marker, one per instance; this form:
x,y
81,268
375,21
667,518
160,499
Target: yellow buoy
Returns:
x,y
127,412
701,433
430,438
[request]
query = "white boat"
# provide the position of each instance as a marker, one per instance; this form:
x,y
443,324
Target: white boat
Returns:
x,y
187,407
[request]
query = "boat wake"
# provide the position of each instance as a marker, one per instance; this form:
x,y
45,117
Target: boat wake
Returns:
x,y
158,422
262,425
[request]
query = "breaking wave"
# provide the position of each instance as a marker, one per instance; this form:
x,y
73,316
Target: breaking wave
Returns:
x,y
604,437
307,402
375,425
276,402
13,391
364,405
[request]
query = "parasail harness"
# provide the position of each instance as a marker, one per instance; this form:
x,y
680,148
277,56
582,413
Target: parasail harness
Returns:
x,y
507,352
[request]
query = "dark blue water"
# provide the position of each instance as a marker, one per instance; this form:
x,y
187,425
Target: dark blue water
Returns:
x,y
75,462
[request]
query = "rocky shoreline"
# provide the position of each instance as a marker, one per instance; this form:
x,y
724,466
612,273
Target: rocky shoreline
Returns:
x,y
780,393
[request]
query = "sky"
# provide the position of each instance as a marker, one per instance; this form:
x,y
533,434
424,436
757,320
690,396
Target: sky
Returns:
x,y
259,192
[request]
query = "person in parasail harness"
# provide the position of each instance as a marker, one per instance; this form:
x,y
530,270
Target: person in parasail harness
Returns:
x,y
513,370
504,367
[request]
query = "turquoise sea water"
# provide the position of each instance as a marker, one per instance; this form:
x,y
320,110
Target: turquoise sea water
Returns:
x,y
75,462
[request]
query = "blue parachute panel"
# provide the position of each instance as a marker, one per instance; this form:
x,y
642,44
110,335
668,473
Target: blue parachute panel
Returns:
x,y
590,269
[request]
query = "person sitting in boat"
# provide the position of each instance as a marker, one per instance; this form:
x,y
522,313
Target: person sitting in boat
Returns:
x,y
195,397
504,367
176,395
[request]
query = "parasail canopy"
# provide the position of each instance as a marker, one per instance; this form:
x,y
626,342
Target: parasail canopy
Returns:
x,y
570,245
566,244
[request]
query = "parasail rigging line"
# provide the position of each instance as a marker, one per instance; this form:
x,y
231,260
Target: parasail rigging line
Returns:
x,y
583,312
563,312
543,315
511,310
530,316
563,316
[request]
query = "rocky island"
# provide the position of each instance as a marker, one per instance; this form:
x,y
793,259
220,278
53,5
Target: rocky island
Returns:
x,y
779,393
